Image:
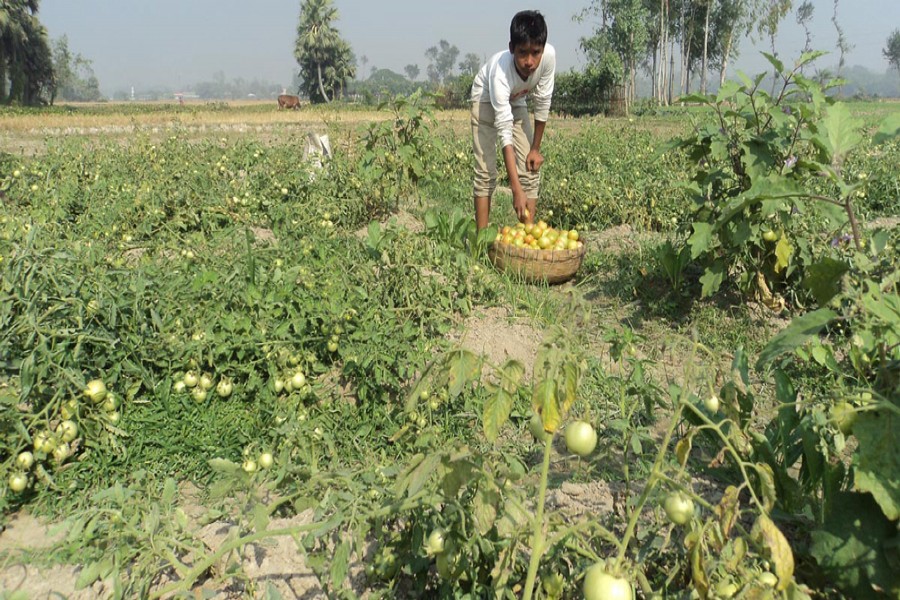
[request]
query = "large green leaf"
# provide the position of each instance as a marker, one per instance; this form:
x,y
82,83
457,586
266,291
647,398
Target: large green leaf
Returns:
x,y
801,330
850,546
838,133
464,367
712,278
889,129
701,240
823,279
496,413
878,459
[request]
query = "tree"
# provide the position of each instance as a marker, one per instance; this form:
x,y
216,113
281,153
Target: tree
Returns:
x,y
412,71
325,59
441,59
844,46
804,16
470,64
891,52
25,57
75,79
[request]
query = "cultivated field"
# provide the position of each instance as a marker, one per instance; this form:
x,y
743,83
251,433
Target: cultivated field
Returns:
x,y
230,368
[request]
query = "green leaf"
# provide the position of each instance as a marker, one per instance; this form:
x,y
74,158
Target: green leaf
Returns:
x,y
712,278
496,413
777,64
340,565
889,129
89,574
801,330
464,367
878,459
701,240
221,465
485,508
823,279
849,547
838,134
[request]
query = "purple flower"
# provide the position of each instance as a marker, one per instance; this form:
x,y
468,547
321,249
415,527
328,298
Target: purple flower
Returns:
x,y
790,162
795,210
786,110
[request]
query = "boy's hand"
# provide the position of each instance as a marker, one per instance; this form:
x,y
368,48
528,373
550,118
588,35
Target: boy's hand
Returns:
x,y
533,161
520,205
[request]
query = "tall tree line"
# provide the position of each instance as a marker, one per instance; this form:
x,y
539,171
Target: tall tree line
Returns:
x,y
677,42
26,63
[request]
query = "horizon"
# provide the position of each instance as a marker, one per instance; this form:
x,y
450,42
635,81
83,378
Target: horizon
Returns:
x,y
175,45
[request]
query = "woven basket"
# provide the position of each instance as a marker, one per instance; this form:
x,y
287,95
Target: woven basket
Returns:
x,y
536,266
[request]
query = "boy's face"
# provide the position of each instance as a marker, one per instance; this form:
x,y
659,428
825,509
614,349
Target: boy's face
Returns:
x,y
527,58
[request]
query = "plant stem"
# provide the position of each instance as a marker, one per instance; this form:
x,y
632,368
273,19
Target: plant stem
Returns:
x,y
537,538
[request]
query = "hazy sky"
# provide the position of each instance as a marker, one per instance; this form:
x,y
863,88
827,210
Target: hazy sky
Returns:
x,y
178,42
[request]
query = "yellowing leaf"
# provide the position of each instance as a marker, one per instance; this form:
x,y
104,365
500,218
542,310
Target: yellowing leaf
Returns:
x,y
783,253
779,550
544,403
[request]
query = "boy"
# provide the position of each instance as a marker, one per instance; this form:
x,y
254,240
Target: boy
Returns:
x,y
499,110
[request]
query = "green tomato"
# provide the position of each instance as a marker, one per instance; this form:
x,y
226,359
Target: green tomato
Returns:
x,y
191,379
249,466
24,460
199,394
298,380
67,430
206,381
435,543
711,403
266,460
767,579
224,388
769,235
600,585
96,390
679,508
843,415
18,482
581,439
536,427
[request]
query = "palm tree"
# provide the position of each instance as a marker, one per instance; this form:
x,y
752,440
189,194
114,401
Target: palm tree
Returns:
x,y
317,39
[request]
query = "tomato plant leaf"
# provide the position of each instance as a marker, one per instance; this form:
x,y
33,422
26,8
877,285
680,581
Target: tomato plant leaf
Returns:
x,y
683,449
570,386
712,278
778,548
888,130
823,279
340,564
464,367
543,401
224,466
485,508
701,241
511,374
496,412
728,509
801,330
851,551
783,253
878,461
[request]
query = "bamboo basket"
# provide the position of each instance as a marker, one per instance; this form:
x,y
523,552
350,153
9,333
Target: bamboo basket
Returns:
x,y
536,266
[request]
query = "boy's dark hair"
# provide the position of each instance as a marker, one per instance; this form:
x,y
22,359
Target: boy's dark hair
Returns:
x,y
528,27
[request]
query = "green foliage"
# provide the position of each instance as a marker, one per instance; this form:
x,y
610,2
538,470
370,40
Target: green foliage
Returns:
x,y
755,220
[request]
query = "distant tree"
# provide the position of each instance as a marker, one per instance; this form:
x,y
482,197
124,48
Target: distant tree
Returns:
x,y
325,59
25,57
804,16
441,59
363,61
412,71
891,52
470,64
75,79
843,44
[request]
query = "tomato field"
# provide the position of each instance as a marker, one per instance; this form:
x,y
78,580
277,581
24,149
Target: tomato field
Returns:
x,y
204,330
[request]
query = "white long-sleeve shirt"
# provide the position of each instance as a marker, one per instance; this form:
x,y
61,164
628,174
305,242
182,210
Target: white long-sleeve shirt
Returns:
x,y
499,83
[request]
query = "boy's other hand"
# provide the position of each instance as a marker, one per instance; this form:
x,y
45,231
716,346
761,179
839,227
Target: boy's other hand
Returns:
x,y
520,205
533,161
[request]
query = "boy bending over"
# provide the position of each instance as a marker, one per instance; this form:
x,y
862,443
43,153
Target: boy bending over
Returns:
x,y
499,111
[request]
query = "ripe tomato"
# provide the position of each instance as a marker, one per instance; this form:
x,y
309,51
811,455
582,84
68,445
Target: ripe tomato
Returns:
x,y
600,585
679,508
18,482
581,439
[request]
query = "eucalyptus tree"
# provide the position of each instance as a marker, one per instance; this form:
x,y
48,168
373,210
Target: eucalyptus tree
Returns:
x,y
441,59
891,51
325,59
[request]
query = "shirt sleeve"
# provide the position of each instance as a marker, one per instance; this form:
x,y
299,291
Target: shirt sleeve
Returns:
x,y
500,92
543,91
